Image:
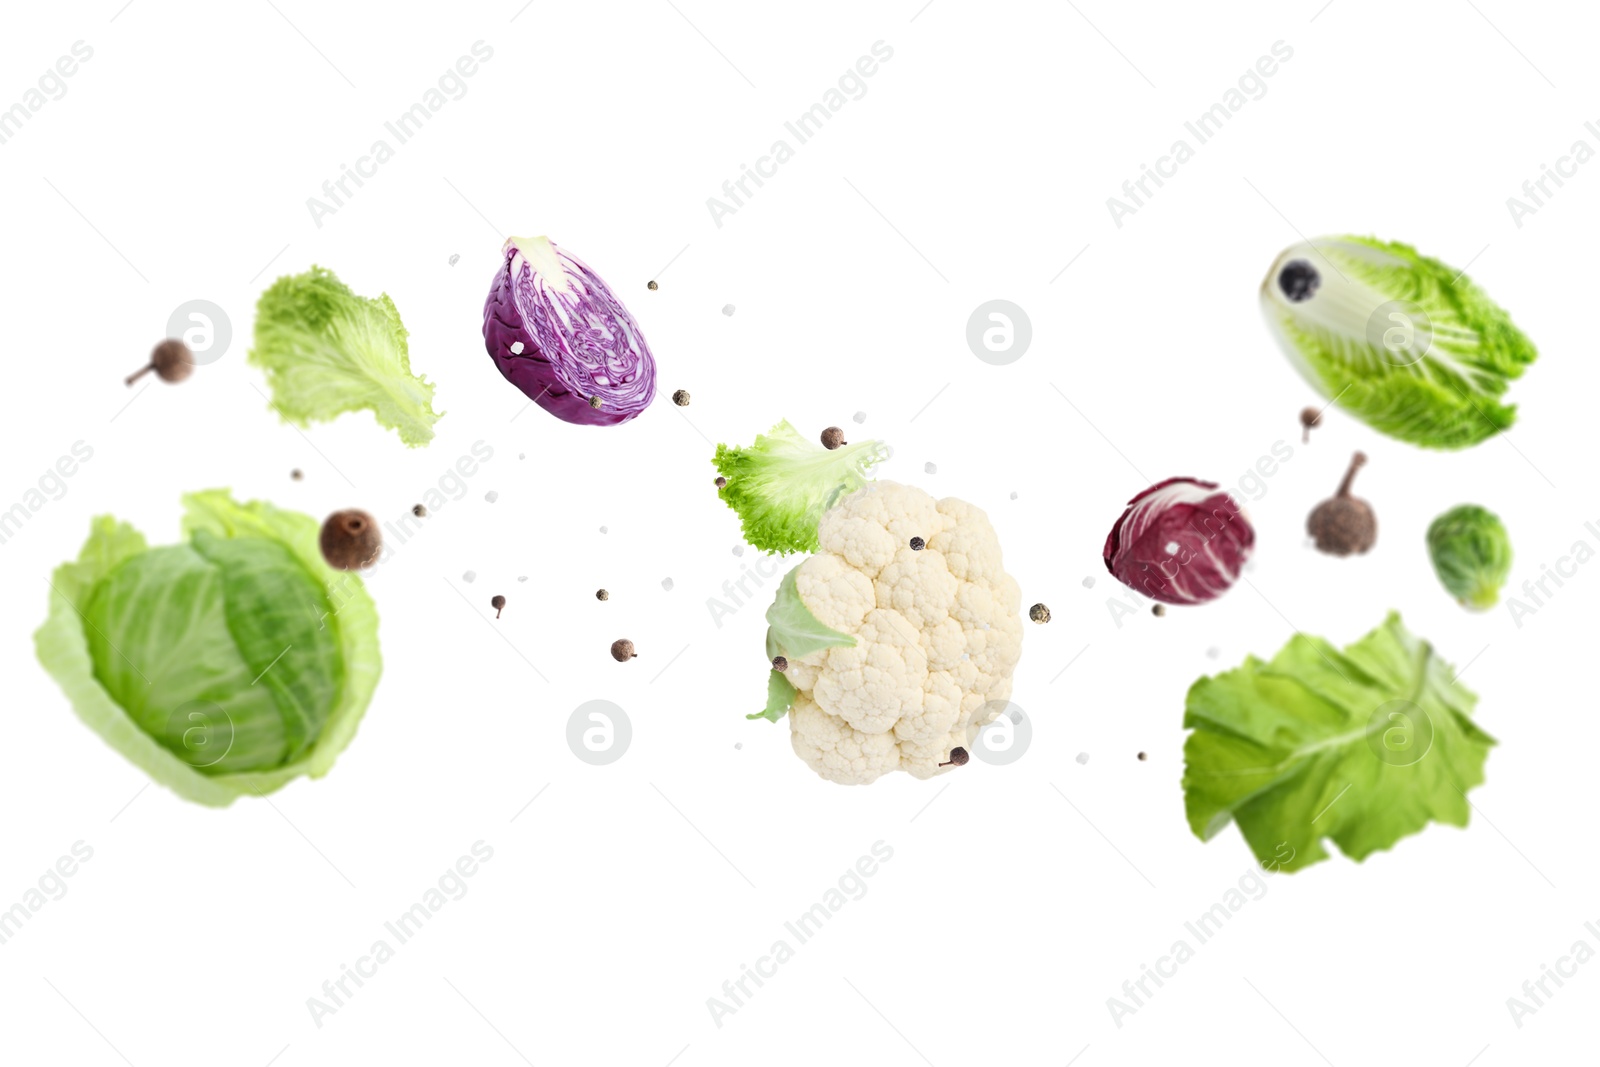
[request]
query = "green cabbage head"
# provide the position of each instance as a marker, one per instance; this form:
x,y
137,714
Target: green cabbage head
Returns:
x,y
225,665
1471,554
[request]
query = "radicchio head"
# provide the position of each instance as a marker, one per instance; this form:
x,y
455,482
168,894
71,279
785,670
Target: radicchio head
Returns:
x,y
1181,541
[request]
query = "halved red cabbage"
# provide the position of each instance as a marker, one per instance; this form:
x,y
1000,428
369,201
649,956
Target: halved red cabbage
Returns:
x,y
1180,541
558,333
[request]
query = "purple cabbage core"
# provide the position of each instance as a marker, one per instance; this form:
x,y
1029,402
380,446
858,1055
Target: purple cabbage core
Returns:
x,y
562,337
1181,541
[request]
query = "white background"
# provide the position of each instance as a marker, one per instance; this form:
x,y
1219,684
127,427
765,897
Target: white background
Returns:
x,y
977,166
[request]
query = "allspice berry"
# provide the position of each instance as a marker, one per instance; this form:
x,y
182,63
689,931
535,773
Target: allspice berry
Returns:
x,y
681,398
720,482
171,360
622,650
601,594
833,437
1039,614
958,758
350,540
498,603
1344,525
780,664
1310,419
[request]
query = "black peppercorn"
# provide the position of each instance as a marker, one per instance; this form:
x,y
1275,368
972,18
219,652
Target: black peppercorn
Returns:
x,y
918,544
350,540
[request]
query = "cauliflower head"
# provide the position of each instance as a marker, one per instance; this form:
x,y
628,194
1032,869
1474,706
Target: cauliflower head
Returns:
x,y
937,633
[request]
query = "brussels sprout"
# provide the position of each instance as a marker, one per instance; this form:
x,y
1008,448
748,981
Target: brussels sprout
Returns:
x,y
1471,554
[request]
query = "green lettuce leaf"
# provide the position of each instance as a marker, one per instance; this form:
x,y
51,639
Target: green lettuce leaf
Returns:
x,y
327,350
780,698
792,631
1401,340
228,665
781,485
1363,746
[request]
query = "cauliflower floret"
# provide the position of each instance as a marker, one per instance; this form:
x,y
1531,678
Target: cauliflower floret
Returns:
x,y
836,750
880,678
837,593
919,586
968,542
937,635
864,543
902,511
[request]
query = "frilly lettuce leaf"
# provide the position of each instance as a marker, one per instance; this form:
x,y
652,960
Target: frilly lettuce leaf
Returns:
x,y
201,623
1363,746
781,485
327,350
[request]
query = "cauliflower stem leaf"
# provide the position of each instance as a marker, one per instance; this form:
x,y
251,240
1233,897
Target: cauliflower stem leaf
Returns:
x,y
792,631
780,697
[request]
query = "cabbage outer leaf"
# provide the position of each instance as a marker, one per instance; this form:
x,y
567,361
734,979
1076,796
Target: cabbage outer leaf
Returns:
x,y
1363,746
